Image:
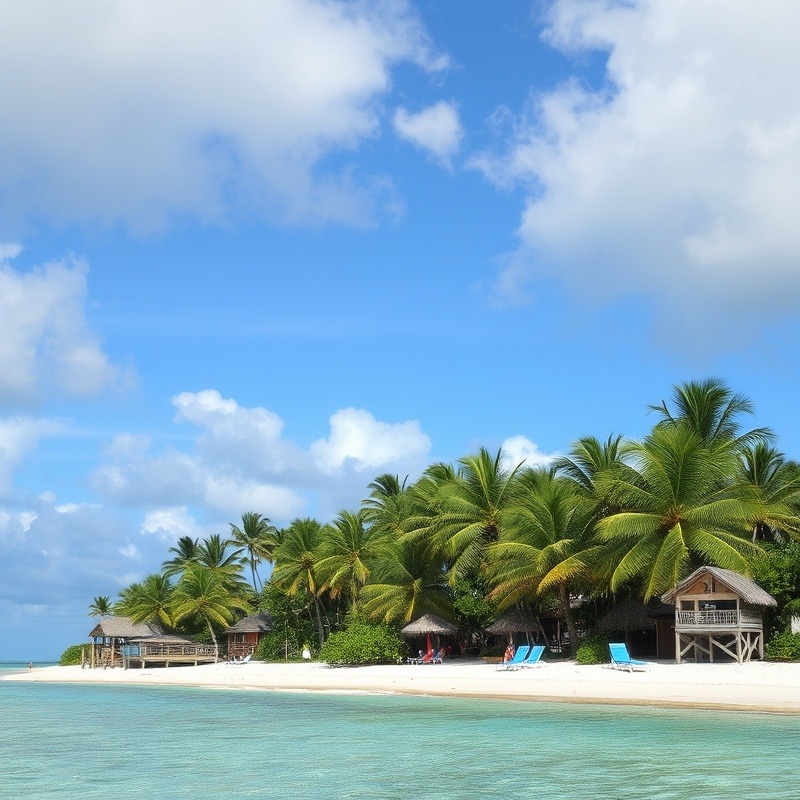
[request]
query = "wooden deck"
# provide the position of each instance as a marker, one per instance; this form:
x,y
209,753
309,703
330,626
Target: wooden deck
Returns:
x,y
141,654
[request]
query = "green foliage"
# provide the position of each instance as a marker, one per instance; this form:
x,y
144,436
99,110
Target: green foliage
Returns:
x,y
777,569
292,624
593,650
361,643
72,655
783,647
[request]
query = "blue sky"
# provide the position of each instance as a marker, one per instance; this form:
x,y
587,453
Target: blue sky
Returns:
x,y
253,255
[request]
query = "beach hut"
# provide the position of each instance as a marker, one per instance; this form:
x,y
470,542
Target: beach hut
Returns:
x,y
429,625
718,611
111,633
516,621
244,636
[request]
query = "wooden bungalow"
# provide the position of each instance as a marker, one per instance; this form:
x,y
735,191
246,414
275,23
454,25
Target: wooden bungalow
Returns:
x,y
111,633
244,636
120,642
718,610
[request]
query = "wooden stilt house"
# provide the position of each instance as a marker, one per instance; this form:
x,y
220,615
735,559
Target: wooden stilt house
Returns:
x,y
718,612
109,636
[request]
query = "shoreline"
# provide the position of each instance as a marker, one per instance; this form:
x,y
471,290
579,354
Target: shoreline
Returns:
x,y
762,687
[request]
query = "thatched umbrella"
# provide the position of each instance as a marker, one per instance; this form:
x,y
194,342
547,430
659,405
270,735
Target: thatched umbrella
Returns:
x,y
629,615
429,624
515,621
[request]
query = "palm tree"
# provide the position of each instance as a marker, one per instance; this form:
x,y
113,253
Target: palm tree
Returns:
x,y
407,581
296,560
472,509
777,484
185,553
257,538
150,600
100,607
213,553
343,555
388,507
711,410
678,503
544,544
204,593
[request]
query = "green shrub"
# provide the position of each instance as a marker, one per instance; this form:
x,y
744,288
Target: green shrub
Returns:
x,y
593,650
361,643
72,655
783,647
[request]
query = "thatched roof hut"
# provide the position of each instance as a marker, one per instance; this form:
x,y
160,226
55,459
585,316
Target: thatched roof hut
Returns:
x,y
427,624
255,623
515,621
629,615
124,628
749,591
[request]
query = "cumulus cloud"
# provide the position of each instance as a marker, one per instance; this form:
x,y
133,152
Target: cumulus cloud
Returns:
x,y
169,524
140,112
241,461
45,340
521,450
436,129
678,179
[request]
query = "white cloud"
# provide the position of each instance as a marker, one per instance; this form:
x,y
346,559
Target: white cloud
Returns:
x,y
367,444
436,129
680,178
45,340
521,450
240,461
169,524
19,437
139,112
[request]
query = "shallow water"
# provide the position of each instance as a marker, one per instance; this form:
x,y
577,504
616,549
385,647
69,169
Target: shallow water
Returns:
x,y
78,741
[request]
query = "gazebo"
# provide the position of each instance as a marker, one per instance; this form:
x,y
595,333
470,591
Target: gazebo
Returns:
x,y
718,610
244,636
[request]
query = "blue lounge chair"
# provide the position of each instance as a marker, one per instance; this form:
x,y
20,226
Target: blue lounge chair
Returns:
x,y
519,657
621,659
534,658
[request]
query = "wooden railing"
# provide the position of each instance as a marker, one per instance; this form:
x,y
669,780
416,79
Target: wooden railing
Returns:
x,y
730,618
157,649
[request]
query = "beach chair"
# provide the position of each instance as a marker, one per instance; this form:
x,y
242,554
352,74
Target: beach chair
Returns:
x,y
519,657
534,658
438,657
244,660
621,659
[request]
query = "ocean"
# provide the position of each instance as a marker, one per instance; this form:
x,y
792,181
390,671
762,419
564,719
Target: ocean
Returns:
x,y
74,742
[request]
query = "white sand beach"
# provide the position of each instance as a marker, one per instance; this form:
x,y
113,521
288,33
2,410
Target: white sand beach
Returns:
x,y
755,686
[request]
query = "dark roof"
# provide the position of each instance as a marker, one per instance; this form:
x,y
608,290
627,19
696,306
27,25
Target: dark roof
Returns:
x,y
125,628
515,621
629,615
748,590
428,623
255,623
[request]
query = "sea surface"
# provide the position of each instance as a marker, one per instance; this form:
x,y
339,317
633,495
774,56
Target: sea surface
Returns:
x,y
77,741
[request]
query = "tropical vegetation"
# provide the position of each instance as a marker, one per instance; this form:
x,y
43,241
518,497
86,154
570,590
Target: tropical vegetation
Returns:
x,y
612,519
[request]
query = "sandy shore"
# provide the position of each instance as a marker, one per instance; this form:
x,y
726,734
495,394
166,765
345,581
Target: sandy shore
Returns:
x,y
757,686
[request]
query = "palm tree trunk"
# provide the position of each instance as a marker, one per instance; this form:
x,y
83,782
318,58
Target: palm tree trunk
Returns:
x,y
213,639
320,629
566,613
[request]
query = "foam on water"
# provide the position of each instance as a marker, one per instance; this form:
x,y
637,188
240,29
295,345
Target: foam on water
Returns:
x,y
79,741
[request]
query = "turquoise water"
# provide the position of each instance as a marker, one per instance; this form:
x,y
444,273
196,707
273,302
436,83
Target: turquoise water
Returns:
x,y
77,741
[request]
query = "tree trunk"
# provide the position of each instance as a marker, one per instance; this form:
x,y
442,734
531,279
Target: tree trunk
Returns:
x,y
213,639
320,630
566,613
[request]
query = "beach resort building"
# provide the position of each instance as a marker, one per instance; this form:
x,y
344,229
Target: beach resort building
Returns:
x,y
718,612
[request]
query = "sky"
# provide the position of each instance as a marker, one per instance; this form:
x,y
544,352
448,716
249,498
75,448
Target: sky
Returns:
x,y
254,254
